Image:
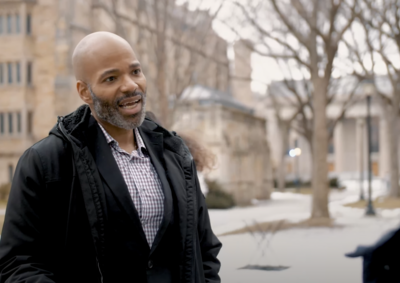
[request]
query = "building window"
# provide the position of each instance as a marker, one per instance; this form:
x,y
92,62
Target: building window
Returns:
x,y
10,172
19,126
18,67
17,24
29,122
1,74
28,24
9,73
1,124
1,24
10,123
9,24
29,73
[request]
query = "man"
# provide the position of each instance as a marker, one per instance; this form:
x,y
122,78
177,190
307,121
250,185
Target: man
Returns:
x,y
108,196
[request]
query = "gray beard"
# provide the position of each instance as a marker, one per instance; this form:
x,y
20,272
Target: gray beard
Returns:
x,y
111,114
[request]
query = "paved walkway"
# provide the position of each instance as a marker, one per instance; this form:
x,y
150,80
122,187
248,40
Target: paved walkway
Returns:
x,y
313,255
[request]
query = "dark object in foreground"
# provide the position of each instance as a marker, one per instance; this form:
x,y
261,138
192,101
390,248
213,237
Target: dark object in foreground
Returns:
x,y
265,267
381,262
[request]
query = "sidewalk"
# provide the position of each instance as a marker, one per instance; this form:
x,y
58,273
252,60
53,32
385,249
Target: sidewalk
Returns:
x,y
314,255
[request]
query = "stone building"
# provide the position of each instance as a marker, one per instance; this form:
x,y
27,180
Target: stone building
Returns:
x,y
37,38
348,149
232,132
228,123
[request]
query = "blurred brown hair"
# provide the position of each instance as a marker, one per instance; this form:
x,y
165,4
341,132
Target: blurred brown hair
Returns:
x,y
203,157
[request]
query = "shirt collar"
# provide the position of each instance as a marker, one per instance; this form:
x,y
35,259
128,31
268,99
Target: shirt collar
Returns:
x,y
139,141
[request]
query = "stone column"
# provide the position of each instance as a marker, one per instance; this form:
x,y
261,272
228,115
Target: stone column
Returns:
x,y
43,22
384,150
339,147
362,145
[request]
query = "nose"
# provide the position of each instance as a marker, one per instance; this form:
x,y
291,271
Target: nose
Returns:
x,y
129,85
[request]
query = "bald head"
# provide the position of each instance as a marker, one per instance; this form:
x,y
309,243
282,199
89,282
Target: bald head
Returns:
x,y
93,49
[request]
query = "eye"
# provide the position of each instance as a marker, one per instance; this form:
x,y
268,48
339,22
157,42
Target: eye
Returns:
x,y
137,71
111,79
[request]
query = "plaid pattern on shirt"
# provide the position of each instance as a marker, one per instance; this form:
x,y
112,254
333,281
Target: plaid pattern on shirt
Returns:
x,y
143,183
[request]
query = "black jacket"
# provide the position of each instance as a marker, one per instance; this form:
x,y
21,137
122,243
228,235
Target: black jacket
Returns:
x,y
70,217
381,261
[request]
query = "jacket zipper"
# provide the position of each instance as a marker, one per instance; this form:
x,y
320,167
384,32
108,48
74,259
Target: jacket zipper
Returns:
x,y
98,266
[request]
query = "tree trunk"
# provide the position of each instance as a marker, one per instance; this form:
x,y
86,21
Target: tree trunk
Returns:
x,y
163,106
320,151
394,153
284,131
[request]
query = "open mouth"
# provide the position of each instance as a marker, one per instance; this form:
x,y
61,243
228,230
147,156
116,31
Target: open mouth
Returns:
x,y
130,103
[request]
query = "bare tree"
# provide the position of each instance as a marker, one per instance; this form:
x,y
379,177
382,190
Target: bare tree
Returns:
x,y
379,22
307,34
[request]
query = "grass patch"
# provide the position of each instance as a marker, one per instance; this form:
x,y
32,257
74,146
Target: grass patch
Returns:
x,y
380,202
308,190
302,191
275,226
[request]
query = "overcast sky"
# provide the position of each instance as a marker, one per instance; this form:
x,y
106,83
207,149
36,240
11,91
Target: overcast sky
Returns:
x,y
265,69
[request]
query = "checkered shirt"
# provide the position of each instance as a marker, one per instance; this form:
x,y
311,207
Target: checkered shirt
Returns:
x,y
143,184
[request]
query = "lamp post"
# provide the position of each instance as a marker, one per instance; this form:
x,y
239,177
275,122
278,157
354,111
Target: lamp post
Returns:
x,y
369,90
361,142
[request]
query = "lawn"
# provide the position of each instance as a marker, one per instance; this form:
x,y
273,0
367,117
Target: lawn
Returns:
x,y
380,202
305,190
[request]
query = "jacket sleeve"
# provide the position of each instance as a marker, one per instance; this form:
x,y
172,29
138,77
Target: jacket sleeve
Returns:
x,y
23,257
209,243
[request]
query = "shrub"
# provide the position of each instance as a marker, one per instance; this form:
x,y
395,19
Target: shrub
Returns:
x,y
5,191
334,183
217,197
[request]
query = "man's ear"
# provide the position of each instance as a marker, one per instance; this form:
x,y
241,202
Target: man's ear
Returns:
x,y
84,92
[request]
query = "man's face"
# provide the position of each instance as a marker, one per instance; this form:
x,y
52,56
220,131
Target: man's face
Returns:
x,y
109,111
118,88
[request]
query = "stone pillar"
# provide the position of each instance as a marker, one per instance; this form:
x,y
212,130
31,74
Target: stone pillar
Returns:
x,y
338,140
362,146
241,88
44,29
384,150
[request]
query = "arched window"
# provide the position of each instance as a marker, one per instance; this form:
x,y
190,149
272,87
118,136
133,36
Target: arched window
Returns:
x,y
9,73
1,124
1,24
28,24
10,123
18,70
1,73
9,24
29,73
17,24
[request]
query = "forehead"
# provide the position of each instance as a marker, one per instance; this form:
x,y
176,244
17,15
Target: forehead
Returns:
x,y
109,56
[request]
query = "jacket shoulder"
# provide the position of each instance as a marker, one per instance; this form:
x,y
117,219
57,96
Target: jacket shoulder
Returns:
x,y
52,153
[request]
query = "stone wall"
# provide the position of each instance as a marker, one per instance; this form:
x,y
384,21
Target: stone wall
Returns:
x,y
238,140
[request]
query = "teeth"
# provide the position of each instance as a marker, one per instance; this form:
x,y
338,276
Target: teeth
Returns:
x,y
130,103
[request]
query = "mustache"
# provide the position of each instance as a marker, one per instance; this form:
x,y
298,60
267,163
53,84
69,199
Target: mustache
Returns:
x,y
132,94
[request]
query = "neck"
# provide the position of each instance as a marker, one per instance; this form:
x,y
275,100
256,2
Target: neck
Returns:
x,y
125,138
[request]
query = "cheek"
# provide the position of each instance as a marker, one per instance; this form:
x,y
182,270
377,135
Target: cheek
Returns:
x,y
143,84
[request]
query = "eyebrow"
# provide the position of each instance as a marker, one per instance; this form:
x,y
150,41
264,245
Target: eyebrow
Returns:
x,y
112,71
134,65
